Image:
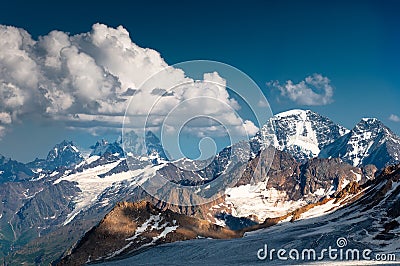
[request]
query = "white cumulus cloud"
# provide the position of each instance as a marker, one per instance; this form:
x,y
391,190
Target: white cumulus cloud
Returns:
x,y
314,90
394,118
86,80
5,118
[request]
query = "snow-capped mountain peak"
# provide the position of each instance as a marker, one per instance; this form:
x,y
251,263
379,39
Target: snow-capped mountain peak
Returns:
x,y
154,146
294,112
63,154
144,145
302,133
367,123
369,142
103,147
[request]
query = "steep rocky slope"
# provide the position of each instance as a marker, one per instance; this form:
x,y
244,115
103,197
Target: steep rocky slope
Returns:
x,y
130,227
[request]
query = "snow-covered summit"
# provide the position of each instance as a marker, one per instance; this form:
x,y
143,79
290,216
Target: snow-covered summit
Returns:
x,y
302,133
369,142
147,145
63,154
293,112
103,147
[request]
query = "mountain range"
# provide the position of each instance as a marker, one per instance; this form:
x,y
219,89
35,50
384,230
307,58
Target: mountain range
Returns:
x,y
358,218
54,209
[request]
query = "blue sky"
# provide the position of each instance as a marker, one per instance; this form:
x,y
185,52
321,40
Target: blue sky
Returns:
x,y
355,44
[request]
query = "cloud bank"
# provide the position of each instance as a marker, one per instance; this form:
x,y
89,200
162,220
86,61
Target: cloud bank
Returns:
x,y
86,80
314,90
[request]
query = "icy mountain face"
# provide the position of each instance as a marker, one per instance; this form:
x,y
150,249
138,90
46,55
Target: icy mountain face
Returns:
x,y
302,133
11,170
149,145
64,154
132,143
154,147
103,147
369,142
